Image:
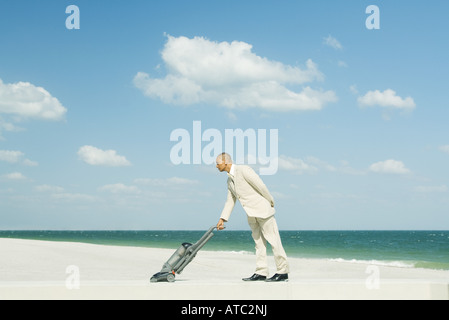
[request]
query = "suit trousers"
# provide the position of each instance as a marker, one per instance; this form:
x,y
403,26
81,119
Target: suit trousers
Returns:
x,y
264,230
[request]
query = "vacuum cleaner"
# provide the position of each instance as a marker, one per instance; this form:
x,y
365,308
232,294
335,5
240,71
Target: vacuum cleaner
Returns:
x,y
181,258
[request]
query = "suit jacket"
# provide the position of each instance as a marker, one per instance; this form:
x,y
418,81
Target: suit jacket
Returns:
x,y
249,189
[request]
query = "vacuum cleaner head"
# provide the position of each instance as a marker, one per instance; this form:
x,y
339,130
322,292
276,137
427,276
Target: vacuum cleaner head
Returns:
x,y
181,258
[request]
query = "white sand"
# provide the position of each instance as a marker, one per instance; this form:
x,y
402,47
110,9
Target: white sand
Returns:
x,y
32,269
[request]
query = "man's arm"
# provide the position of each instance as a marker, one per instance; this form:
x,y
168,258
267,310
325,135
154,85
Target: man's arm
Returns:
x,y
227,210
256,182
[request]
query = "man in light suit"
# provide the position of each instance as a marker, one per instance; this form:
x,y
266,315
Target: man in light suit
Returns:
x,y
246,186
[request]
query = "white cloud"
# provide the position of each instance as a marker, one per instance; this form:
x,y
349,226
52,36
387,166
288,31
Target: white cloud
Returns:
x,y
10,156
387,98
181,181
313,165
120,188
321,164
48,188
98,157
29,163
232,76
432,189
295,164
14,176
389,166
16,157
347,169
353,89
8,127
25,100
445,148
332,42
74,197
169,182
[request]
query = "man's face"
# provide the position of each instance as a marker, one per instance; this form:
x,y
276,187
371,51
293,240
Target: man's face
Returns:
x,y
221,165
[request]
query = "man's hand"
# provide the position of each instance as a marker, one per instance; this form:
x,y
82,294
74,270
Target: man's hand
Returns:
x,y
220,224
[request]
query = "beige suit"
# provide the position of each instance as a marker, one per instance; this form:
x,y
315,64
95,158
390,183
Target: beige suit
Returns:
x,y
258,203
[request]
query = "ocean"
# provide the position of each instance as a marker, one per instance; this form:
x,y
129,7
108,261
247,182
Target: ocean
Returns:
x,y
406,249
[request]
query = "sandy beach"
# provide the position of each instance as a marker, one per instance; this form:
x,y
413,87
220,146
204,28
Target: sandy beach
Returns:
x,y
31,269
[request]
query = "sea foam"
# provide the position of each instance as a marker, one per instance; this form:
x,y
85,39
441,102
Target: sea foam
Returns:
x,y
398,264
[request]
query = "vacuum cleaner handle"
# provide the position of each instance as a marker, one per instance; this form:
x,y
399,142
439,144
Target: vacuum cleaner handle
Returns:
x,y
193,250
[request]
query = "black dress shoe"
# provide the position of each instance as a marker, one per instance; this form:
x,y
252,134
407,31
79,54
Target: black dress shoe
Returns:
x,y
278,277
255,277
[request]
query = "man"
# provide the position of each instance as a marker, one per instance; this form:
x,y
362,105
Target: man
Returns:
x,y
246,186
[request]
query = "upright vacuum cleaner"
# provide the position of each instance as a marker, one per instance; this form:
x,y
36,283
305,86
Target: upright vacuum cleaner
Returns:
x,y
181,258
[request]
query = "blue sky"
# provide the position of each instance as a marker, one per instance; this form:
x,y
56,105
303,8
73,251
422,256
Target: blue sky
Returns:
x,y
86,114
